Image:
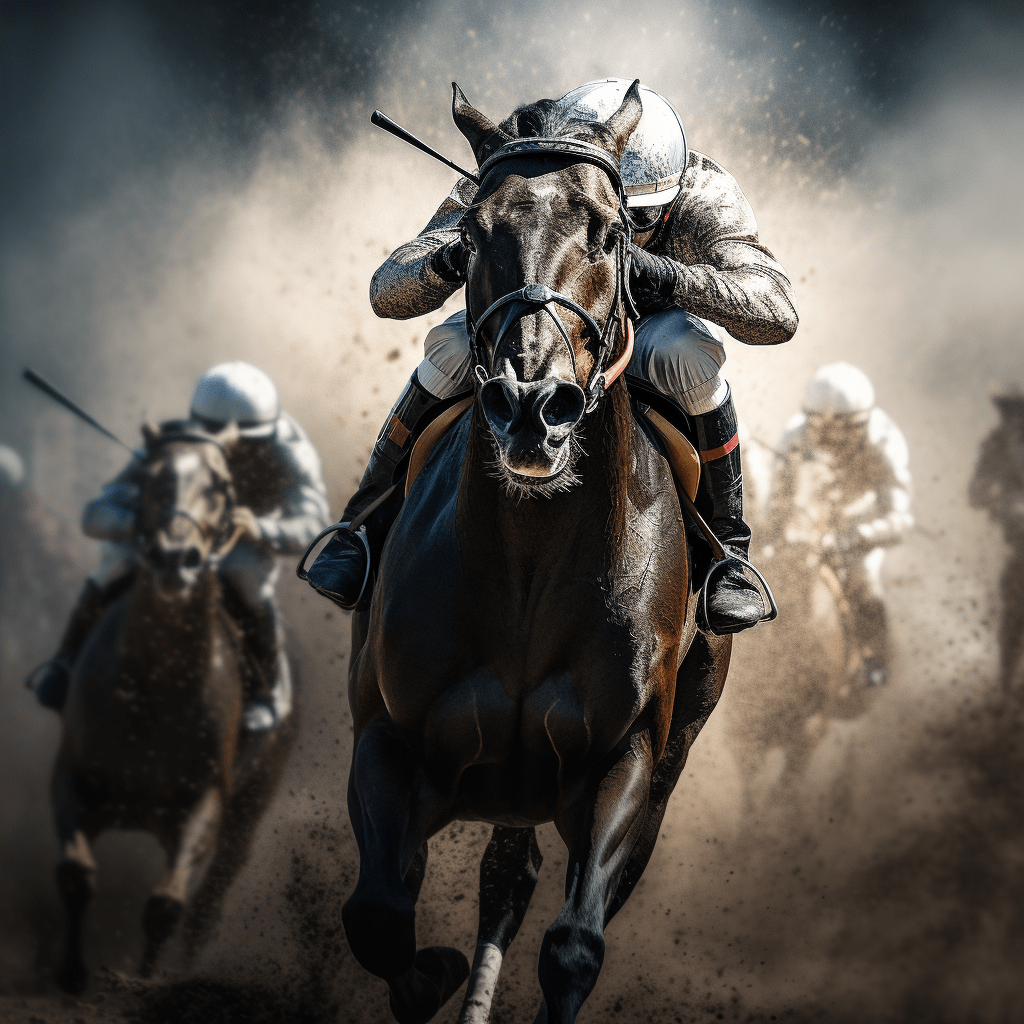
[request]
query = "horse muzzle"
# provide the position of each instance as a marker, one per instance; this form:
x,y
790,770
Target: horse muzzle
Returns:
x,y
176,568
531,422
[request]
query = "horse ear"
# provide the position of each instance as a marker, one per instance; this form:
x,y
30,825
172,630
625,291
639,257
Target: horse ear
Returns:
x,y
624,121
482,134
150,432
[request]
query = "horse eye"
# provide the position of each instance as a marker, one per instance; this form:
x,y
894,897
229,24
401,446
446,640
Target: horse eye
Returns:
x,y
467,238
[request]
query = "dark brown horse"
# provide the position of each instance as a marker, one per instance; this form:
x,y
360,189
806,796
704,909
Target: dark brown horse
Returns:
x,y
151,730
530,653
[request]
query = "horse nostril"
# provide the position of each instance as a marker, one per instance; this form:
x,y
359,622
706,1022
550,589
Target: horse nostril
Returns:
x,y
563,407
500,405
192,558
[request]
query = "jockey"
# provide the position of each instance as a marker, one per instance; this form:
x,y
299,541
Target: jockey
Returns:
x,y
282,505
998,487
845,472
699,275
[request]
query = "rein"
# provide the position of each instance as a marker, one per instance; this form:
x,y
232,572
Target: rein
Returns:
x,y
533,296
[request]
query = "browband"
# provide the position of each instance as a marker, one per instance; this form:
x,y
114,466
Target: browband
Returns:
x,y
573,149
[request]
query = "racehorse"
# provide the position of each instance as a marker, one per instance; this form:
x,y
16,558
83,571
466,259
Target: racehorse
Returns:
x,y
808,671
530,653
151,734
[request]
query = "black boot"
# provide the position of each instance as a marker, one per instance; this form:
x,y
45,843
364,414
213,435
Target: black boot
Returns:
x,y
264,643
871,633
50,680
733,602
344,570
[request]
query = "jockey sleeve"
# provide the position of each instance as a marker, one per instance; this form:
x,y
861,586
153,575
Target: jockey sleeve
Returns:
x,y
292,506
725,274
406,284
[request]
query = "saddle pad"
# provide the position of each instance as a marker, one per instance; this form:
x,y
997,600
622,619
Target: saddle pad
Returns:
x,y
682,456
427,441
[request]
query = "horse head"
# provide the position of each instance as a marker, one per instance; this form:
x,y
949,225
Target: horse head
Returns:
x,y
545,295
184,523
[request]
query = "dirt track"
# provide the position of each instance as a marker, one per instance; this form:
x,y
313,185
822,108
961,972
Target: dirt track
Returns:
x,y
890,887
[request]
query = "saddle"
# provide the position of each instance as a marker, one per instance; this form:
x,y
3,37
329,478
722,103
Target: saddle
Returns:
x,y
667,438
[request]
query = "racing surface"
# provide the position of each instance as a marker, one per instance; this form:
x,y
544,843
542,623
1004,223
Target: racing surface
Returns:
x,y
158,226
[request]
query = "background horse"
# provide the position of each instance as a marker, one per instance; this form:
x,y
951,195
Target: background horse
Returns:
x,y
530,653
808,673
151,731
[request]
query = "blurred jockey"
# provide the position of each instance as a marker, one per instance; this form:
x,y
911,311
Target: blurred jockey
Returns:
x,y
282,505
699,275
844,486
998,487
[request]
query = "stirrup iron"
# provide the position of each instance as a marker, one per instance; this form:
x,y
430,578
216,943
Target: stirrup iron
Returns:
x,y
360,533
767,598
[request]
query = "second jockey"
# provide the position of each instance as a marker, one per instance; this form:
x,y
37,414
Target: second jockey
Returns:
x,y
844,486
700,274
282,505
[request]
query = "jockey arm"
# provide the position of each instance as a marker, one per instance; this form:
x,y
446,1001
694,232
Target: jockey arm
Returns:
x,y
111,515
881,517
722,271
302,510
408,284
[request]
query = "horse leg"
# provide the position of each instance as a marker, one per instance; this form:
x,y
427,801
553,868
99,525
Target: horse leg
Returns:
x,y
699,684
76,878
394,808
244,807
508,876
600,819
190,846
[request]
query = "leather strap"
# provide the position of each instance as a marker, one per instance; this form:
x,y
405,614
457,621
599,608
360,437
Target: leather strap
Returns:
x,y
427,441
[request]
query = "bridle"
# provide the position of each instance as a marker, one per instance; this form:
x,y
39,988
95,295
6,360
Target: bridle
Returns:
x,y
532,297
224,537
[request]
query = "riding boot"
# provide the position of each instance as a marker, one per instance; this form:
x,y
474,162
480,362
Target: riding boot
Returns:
x,y
50,680
263,644
733,602
870,627
344,571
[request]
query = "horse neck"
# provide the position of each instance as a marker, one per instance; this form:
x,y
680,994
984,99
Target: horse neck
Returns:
x,y
163,637
539,528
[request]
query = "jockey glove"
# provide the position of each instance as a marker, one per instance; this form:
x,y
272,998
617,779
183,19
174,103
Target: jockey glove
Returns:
x,y
652,280
451,261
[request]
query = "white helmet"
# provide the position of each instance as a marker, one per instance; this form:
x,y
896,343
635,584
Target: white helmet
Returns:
x,y
12,469
655,155
239,392
839,389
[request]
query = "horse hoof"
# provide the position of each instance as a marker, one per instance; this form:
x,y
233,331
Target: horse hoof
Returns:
x,y
440,972
72,978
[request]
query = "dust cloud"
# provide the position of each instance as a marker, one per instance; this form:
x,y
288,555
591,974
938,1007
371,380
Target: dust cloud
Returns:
x,y
888,886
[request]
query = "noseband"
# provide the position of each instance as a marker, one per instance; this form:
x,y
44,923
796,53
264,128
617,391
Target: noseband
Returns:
x,y
533,297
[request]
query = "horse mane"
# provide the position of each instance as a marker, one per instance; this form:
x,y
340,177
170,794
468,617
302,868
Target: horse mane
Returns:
x,y
549,119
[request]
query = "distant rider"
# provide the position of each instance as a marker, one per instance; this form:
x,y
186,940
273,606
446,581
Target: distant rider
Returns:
x,y
998,487
282,505
699,275
845,471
